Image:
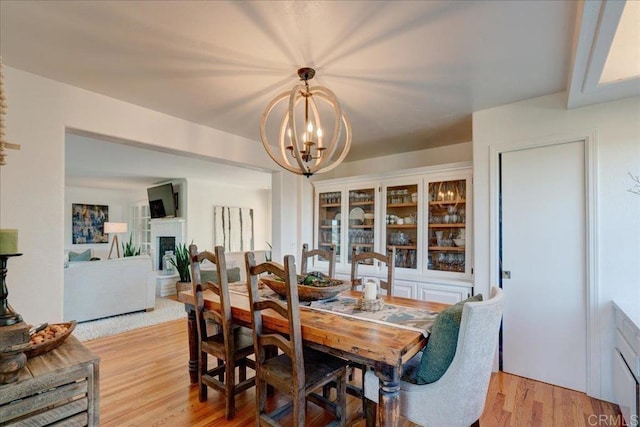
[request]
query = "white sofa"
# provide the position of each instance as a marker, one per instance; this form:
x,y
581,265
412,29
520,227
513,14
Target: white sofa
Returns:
x,y
96,289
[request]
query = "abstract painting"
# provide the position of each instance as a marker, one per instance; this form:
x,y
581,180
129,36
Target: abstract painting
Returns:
x,y
233,228
87,223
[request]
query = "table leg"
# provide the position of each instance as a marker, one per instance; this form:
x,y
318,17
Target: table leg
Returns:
x,y
389,395
192,331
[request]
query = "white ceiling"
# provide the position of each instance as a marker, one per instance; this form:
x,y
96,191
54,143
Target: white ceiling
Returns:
x,y
409,74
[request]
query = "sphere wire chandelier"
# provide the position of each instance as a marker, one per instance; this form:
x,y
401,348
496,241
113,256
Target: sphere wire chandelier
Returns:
x,y
300,132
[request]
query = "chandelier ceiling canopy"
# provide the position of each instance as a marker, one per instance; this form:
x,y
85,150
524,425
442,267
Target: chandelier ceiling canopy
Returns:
x,y
305,130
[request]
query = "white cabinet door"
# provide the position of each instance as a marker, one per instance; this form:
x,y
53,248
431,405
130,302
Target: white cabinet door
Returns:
x,y
442,293
404,289
625,389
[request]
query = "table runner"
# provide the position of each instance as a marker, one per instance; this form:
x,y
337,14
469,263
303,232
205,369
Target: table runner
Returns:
x,y
401,316
390,314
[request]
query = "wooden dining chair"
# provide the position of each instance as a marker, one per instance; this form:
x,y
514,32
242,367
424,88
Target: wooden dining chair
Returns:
x,y
329,255
368,258
230,344
298,370
356,282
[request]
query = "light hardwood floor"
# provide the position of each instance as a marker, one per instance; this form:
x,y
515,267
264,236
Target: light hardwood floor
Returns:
x,y
144,382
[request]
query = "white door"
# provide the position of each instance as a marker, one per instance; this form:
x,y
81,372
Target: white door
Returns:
x,y
543,248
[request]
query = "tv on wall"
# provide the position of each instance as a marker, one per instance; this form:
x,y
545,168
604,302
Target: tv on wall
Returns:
x,y
162,202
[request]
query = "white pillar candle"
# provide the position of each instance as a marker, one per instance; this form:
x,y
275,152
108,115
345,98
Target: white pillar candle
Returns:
x,y
370,290
8,241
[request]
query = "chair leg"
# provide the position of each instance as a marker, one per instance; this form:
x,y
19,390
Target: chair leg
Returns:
x,y
202,394
230,392
326,390
221,375
364,399
370,409
341,400
242,364
299,408
261,399
476,424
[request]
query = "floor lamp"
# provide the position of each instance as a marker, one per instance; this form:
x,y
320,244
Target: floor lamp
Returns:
x,y
115,228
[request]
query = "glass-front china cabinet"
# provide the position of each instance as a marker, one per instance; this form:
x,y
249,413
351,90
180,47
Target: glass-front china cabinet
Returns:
x,y
423,213
447,231
362,209
401,223
329,221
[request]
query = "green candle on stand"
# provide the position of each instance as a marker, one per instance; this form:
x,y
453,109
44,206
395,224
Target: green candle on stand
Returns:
x,y
8,241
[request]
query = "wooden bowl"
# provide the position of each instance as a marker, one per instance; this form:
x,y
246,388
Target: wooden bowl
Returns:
x,y
307,293
50,344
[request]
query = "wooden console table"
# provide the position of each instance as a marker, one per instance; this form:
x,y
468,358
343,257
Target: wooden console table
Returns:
x,y
58,386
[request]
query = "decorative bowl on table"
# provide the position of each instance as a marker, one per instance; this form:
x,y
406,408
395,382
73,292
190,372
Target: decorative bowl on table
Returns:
x,y
311,287
49,338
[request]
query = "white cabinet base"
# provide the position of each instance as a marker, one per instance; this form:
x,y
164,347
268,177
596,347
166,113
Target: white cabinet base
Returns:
x,y
442,293
626,364
404,289
625,389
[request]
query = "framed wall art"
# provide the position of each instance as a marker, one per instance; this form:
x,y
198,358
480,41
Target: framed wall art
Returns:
x,y
87,223
233,228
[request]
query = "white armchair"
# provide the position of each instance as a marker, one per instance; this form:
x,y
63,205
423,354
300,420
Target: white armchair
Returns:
x,y
458,397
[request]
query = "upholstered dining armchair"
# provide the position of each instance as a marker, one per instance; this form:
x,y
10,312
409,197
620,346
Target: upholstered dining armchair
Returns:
x,y
458,397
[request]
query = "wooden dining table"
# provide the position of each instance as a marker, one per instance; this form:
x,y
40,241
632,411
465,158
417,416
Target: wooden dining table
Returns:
x,y
382,346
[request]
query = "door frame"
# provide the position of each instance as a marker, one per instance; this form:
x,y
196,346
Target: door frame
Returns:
x,y
593,356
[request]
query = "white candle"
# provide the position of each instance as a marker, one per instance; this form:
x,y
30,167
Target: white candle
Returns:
x,y
8,241
370,290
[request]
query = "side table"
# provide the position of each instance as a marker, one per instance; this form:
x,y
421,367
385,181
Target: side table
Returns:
x,y
60,386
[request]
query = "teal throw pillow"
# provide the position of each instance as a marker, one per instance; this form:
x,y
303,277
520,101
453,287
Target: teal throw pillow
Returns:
x,y
82,256
441,346
233,275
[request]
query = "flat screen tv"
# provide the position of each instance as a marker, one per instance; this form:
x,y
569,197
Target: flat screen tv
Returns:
x,y
162,201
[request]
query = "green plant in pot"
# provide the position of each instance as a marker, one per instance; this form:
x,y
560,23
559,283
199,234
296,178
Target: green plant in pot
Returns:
x,y
182,263
129,249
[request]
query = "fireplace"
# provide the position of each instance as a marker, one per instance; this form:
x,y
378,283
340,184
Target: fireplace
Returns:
x,y
165,243
165,235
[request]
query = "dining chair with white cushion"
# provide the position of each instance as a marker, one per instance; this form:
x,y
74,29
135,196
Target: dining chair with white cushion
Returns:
x,y
458,397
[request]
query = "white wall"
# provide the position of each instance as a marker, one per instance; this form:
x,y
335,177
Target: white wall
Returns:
x,y
615,127
118,202
415,159
32,196
203,196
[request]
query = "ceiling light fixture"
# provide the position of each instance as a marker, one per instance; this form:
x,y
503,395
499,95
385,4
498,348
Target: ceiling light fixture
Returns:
x,y
301,145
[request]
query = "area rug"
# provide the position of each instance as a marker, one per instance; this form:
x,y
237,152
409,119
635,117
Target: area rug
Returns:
x,y
165,311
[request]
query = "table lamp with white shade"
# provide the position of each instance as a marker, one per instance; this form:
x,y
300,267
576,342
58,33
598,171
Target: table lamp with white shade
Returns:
x,y
115,228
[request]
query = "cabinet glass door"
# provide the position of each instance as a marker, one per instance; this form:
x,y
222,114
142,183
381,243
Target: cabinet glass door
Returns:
x,y
329,214
402,224
361,220
447,226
